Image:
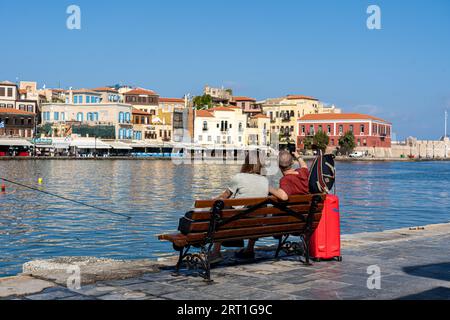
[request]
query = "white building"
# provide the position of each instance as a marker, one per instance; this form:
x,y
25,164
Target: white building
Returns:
x,y
220,126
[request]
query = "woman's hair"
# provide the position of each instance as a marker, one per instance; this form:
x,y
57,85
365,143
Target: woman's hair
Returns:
x,y
252,163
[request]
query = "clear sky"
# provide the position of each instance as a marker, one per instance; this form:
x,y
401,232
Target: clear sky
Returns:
x,y
259,48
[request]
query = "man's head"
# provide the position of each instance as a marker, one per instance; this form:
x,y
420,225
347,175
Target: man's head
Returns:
x,y
285,160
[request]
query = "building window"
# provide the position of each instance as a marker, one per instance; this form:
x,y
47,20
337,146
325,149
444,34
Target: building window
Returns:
x,y
362,128
320,128
329,129
79,117
56,116
341,129
2,91
10,92
200,138
121,117
351,128
205,125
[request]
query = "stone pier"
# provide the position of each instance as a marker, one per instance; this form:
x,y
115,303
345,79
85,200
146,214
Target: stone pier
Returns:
x,y
399,264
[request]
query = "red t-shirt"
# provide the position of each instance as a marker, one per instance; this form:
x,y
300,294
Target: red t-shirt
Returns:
x,y
296,184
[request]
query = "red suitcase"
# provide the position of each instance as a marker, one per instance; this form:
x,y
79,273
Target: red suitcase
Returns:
x,y
326,241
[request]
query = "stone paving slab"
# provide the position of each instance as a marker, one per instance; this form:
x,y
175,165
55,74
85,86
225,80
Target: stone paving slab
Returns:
x,y
413,265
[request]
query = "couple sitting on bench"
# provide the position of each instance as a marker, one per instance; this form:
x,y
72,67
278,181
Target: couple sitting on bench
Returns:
x,y
251,184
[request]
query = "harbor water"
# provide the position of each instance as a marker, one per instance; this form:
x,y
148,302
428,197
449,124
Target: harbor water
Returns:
x,y
375,196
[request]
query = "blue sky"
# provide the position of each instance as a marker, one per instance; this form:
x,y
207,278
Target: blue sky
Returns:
x,y
260,48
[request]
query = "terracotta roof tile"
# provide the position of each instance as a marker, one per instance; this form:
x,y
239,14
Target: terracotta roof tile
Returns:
x,y
177,100
15,111
140,91
340,116
204,114
300,97
244,99
223,109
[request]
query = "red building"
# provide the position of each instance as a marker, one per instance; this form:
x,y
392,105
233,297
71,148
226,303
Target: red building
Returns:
x,y
369,131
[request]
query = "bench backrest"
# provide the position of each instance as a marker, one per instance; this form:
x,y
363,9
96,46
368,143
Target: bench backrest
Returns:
x,y
258,217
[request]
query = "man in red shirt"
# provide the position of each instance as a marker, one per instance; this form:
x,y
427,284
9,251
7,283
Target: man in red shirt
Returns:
x,y
294,181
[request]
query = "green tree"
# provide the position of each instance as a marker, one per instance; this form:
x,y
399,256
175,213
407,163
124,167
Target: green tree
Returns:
x,y
347,143
202,102
321,141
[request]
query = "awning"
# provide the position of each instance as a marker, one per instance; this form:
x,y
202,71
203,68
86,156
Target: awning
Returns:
x,y
89,144
117,145
15,143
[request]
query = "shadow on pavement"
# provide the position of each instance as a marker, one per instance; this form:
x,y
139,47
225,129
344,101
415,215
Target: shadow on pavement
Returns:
x,y
438,293
439,271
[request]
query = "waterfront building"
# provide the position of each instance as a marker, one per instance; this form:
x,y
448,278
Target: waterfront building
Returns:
x,y
161,127
17,116
370,132
220,126
109,95
181,117
83,96
247,104
284,113
53,95
218,95
141,124
258,133
142,99
102,120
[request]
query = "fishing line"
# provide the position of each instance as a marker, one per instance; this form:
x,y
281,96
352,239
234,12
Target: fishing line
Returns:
x,y
66,199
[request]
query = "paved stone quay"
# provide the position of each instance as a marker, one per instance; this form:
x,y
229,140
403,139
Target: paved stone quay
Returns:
x,y
413,264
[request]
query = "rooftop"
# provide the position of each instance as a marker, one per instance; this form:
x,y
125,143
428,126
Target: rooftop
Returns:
x,y
141,91
340,116
177,100
105,89
15,111
300,97
204,114
244,99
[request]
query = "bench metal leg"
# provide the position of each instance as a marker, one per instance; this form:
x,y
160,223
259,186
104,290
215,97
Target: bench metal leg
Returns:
x,y
196,261
306,242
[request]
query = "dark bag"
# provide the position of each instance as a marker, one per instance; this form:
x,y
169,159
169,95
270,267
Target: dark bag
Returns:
x,y
322,174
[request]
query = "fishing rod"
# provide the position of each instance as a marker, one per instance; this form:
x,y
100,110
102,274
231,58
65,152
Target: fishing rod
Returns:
x,y
66,199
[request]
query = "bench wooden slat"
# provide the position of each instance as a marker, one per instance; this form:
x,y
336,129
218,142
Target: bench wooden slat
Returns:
x,y
203,226
178,239
254,201
228,213
246,233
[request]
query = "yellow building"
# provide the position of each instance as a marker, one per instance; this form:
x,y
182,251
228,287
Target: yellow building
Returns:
x,y
258,133
284,113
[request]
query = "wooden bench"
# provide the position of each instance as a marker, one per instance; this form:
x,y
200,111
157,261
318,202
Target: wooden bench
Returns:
x,y
239,219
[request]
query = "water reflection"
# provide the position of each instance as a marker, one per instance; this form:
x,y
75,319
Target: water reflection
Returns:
x,y
374,196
